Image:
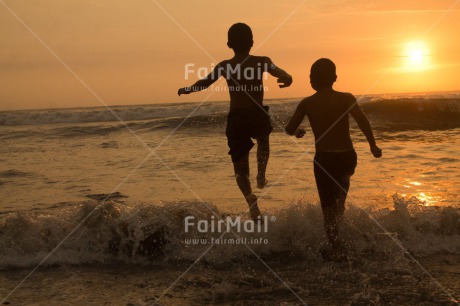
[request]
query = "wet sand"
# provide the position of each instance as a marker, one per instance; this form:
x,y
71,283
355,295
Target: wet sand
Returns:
x,y
240,283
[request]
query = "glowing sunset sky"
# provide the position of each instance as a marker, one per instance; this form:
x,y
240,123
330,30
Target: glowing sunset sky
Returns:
x,y
134,52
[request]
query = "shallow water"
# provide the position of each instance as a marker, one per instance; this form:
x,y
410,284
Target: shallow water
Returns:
x,y
58,168
249,283
426,168
127,254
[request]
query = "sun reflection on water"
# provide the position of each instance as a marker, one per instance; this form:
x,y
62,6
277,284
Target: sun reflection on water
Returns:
x,y
428,198
418,190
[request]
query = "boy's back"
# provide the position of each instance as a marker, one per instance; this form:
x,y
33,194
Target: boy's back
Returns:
x,y
248,118
244,76
335,159
327,112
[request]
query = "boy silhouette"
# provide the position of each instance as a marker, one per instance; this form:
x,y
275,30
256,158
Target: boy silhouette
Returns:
x,y
248,117
335,159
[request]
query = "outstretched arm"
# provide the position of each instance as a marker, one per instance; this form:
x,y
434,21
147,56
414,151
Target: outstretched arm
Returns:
x,y
293,126
365,126
203,83
284,78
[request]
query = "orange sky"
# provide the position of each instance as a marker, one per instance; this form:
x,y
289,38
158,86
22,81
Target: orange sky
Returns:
x,y
134,52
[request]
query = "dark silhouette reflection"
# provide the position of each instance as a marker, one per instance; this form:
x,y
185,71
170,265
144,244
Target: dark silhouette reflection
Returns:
x,y
248,117
335,159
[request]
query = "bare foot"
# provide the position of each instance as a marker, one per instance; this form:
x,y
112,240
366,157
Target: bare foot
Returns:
x,y
253,208
261,183
333,254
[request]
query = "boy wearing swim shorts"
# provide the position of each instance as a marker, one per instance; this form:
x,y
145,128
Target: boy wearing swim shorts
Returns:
x,y
335,159
248,118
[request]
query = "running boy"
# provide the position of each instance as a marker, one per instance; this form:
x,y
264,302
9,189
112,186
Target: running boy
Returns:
x,y
248,117
335,159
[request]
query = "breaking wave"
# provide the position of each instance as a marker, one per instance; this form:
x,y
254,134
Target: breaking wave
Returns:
x,y
114,231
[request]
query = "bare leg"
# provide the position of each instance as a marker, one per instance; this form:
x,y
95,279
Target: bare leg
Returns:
x,y
345,183
263,153
241,167
333,214
242,179
331,225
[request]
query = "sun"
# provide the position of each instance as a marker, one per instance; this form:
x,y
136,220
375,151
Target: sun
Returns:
x,y
416,56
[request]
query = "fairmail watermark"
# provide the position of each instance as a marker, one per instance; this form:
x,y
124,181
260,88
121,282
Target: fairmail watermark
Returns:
x,y
238,88
228,241
227,225
235,225
230,72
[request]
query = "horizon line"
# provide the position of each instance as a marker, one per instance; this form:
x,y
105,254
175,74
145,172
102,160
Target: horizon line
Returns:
x,y
225,100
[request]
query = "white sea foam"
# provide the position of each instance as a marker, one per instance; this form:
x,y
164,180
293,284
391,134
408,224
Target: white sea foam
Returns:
x,y
115,231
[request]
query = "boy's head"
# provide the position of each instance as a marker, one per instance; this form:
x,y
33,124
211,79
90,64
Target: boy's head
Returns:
x,y
240,37
322,74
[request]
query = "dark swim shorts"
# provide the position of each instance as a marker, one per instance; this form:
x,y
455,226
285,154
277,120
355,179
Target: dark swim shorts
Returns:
x,y
333,171
244,124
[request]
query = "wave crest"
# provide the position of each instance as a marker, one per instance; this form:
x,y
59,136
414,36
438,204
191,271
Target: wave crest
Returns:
x,y
116,232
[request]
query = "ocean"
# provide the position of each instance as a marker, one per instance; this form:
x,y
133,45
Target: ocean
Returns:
x,y
97,198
